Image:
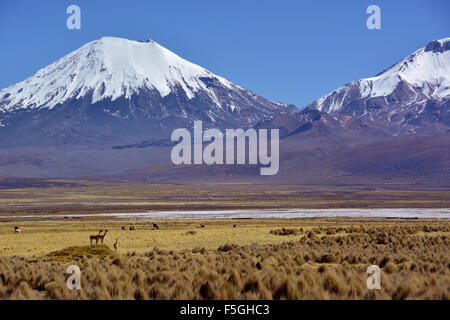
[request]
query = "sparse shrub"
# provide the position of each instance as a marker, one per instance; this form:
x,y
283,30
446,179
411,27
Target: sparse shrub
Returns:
x,y
199,250
117,262
327,258
322,269
234,278
139,294
284,232
402,292
226,247
307,257
54,290
332,283
299,259
281,291
23,292
311,235
390,267
252,285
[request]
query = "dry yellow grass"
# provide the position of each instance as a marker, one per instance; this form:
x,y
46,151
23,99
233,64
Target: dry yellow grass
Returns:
x,y
323,259
39,238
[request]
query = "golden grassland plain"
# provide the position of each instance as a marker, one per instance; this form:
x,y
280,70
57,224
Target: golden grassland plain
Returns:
x,y
73,196
228,259
224,259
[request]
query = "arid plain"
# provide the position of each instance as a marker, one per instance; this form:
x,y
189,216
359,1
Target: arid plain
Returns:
x,y
319,258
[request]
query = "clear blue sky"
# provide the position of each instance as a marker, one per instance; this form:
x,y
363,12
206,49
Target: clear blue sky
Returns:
x,y
286,50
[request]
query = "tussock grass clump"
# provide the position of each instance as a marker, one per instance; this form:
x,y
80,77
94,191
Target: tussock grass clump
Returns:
x,y
78,253
199,250
227,247
253,284
390,267
285,232
333,283
327,258
311,235
206,291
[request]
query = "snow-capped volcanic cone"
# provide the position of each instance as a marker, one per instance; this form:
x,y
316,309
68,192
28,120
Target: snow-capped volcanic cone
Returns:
x,y
120,90
414,94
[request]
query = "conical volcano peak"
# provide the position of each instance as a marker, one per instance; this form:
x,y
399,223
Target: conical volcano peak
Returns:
x,y
109,67
125,89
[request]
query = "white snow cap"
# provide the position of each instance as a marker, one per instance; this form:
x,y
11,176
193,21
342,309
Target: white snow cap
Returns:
x,y
109,68
422,69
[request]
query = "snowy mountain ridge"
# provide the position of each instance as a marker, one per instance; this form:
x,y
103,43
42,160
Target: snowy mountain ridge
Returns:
x,y
411,96
426,70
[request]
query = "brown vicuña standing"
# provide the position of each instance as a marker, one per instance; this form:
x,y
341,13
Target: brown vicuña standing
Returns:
x,y
116,244
102,236
98,237
94,237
